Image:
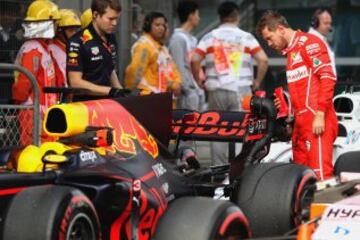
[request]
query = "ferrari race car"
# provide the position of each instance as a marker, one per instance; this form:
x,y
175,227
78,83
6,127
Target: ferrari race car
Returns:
x,y
110,175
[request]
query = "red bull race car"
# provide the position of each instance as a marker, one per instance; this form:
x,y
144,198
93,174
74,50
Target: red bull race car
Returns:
x,y
110,175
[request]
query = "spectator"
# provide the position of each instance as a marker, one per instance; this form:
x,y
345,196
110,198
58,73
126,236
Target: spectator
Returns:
x,y
228,52
91,53
182,44
67,26
152,69
311,83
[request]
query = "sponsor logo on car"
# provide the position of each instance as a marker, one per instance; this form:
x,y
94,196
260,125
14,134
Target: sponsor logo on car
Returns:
x,y
89,156
159,169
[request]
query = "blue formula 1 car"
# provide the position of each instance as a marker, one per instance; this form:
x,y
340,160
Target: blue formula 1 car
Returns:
x,y
109,175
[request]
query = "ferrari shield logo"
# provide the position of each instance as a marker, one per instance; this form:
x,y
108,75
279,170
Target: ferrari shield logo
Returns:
x,y
95,50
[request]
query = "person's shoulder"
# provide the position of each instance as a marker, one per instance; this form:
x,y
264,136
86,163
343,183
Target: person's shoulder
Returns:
x,y
309,39
77,36
311,43
208,36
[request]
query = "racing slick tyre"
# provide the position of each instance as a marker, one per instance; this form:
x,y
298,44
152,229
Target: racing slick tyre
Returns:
x,y
49,213
200,218
347,162
275,197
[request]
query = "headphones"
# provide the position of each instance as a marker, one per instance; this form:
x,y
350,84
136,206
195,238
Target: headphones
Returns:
x,y
149,18
315,22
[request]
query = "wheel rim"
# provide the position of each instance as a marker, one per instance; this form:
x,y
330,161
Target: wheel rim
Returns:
x,y
304,198
81,227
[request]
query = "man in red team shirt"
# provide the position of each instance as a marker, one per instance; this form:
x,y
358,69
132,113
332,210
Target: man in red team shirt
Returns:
x,y
311,83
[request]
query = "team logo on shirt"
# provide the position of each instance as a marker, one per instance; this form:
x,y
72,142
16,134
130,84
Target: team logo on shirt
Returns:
x,y
73,62
73,54
296,58
86,36
297,74
95,50
316,62
313,48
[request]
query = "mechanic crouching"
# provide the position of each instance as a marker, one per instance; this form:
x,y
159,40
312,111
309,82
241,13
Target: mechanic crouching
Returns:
x,y
311,82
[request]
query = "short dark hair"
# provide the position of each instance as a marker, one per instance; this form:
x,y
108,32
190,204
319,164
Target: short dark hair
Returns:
x,y
228,10
185,8
100,5
149,18
270,19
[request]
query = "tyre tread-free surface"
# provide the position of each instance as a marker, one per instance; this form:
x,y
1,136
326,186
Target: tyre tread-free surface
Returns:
x,y
47,213
271,194
198,218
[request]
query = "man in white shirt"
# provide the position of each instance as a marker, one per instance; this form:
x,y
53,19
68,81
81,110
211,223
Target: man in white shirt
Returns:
x,y
321,26
228,53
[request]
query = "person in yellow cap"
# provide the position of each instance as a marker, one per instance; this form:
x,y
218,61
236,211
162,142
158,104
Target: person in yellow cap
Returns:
x,y
86,18
35,56
68,24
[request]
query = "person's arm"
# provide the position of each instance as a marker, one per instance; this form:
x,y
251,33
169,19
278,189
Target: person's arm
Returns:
x,y
261,59
177,48
114,80
75,68
262,66
76,81
196,68
319,60
22,87
136,69
176,81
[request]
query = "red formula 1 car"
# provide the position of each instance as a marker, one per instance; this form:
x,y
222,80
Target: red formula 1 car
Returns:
x,y
110,176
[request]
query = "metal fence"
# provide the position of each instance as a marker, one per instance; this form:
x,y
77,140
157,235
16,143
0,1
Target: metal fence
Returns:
x,y
20,124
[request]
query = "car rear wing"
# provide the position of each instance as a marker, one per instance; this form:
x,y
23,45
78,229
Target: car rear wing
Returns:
x,y
217,126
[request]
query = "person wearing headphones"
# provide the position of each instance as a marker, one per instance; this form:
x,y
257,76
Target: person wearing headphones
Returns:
x,y
34,55
152,69
91,54
321,26
67,26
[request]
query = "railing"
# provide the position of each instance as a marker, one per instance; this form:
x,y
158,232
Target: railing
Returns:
x,y
10,117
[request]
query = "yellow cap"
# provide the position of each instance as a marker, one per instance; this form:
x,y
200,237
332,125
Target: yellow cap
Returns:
x,y
68,18
86,18
42,10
